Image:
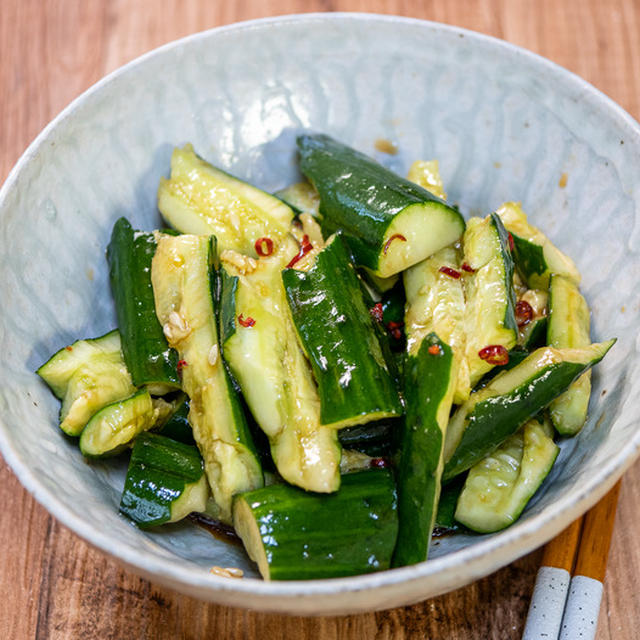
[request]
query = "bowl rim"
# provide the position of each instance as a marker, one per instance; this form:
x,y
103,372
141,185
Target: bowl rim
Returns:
x,y
479,557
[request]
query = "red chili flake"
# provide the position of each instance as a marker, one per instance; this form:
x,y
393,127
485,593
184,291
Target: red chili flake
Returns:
x,y
467,268
395,328
434,350
69,348
264,246
376,312
524,313
494,354
246,322
510,241
181,365
379,463
448,271
395,236
305,247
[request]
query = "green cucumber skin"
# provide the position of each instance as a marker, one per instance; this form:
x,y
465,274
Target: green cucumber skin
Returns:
x,y
374,439
244,436
393,303
537,335
507,259
144,346
159,470
392,349
493,420
177,427
344,178
229,286
337,334
309,535
427,380
516,356
529,258
449,494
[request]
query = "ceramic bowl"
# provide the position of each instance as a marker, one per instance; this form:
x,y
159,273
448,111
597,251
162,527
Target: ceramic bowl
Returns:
x,y
505,125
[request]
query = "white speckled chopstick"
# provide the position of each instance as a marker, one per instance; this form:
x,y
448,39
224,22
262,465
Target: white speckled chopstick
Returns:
x,y
564,607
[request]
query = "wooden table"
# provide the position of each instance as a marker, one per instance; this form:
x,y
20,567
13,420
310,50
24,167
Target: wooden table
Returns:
x,y
52,585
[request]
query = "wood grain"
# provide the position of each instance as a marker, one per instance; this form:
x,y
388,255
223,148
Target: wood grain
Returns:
x,y
561,551
53,585
596,537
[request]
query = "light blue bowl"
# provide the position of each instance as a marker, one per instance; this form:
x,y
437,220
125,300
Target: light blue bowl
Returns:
x,y
505,125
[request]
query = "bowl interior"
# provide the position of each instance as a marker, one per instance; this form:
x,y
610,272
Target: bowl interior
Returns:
x,y
504,124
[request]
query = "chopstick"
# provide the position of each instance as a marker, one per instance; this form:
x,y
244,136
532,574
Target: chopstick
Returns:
x,y
564,607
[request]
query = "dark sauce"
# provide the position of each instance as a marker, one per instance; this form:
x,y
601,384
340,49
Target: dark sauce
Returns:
x,y
217,529
442,532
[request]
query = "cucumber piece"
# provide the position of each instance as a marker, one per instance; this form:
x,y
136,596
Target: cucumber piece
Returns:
x,y
435,303
516,356
569,327
430,381
499,487
177,426
60,367
492,414
535,255
87,375
426,173
490,308
376,208
449,494
393,303
144,347
302,197
337,335
295,535
204,200
165,482
111,429
533,333
266,360
387,313
374,439
380,285
352,461
181,274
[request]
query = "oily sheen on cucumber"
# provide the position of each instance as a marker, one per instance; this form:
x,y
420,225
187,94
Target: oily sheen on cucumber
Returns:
x,y
176,426
535,255
430,381
112,428
182,280
436,303
146,351
295,535
336,331
260,344
495,412
389,222
165,481
569,326
499,487
201,199
86,376
490,298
